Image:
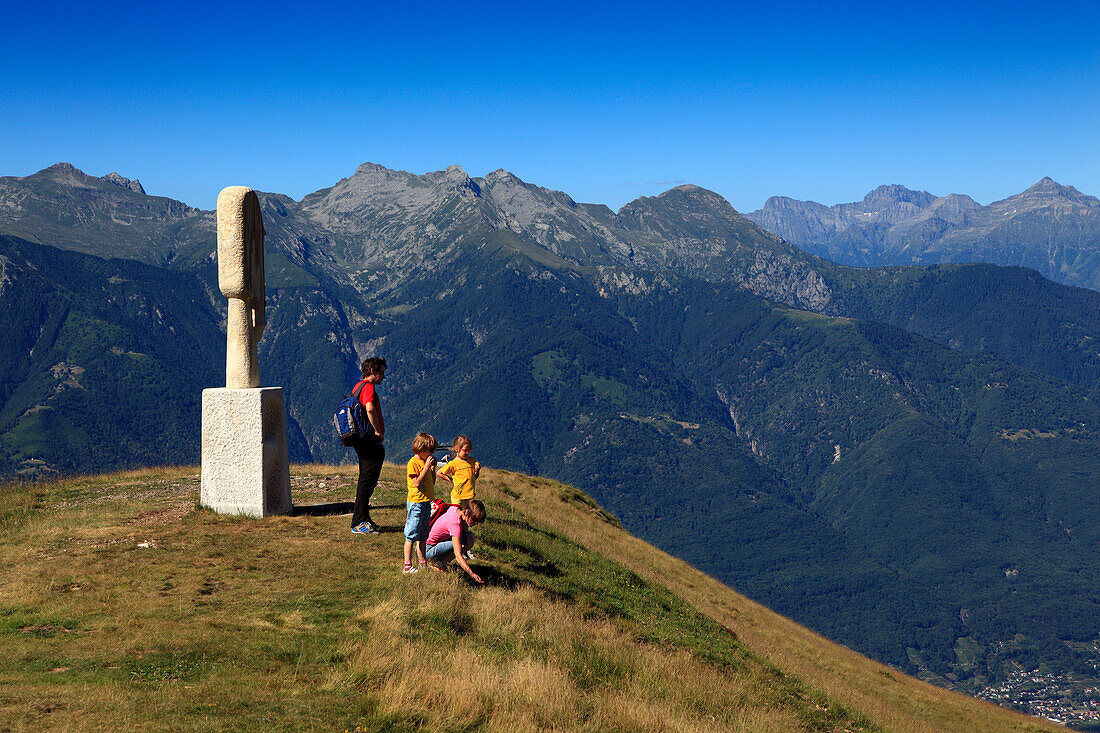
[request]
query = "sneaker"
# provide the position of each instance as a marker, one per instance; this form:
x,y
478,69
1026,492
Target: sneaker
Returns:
x,y
409,570
470,556
365,528
372,528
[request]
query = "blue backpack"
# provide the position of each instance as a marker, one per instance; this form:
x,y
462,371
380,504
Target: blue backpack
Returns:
x,y
350,419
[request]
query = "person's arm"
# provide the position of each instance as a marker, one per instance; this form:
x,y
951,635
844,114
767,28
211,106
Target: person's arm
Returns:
x,y
477,469
429,465
456,543
445,475
374,417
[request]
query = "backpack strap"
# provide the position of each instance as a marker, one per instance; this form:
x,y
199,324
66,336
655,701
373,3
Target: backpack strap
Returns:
x,y
439,508
357,389
366,429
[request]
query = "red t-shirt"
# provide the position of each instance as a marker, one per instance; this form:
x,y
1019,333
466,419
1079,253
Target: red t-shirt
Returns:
x,y
368,395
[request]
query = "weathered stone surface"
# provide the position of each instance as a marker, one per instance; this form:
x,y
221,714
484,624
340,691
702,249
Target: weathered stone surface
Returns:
x,y
245,467
241,279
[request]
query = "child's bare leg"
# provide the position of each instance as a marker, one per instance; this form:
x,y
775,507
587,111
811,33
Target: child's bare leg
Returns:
x,y
420,553
408,553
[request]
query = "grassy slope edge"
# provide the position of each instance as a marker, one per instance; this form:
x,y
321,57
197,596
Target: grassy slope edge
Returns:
x,y
122,605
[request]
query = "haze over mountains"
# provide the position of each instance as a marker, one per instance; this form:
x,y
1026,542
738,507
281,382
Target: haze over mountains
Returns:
x,y
1051,228
903,458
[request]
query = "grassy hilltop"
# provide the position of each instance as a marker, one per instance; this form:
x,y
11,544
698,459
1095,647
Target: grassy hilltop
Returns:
x,y
123,605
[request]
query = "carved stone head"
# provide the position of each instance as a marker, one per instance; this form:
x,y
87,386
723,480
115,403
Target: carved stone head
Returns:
x,y
241,279
240,244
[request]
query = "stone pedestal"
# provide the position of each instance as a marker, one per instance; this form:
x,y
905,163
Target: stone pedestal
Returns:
x,y
245,468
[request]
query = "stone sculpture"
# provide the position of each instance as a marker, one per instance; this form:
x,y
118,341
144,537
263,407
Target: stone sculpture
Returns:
x,y
241,279
245,466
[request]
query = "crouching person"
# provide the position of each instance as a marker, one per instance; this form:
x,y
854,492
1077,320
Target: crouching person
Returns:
x,y
450,537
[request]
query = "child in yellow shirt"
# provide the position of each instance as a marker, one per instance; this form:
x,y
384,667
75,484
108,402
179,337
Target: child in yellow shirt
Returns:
x,y
420,481
462,471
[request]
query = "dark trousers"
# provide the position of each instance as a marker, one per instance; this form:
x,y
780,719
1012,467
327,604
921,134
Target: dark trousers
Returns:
x,y
371,454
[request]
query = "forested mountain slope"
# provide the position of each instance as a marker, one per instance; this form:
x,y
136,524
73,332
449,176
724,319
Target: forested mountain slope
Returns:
x,y
901,496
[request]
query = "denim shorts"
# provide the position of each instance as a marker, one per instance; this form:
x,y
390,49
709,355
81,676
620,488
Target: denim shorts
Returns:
x,y
416,523
445,550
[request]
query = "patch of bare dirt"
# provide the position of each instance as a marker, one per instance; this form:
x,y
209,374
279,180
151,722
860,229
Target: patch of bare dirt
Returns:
x,y
170,515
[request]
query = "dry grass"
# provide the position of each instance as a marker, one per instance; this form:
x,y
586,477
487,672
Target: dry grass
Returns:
x,y
891,699
123,605
509,660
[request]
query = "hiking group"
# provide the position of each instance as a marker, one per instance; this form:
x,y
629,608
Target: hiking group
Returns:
x,y
438,531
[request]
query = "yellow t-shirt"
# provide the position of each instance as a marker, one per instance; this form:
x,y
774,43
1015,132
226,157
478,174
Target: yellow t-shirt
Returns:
x,y
462,472
426,490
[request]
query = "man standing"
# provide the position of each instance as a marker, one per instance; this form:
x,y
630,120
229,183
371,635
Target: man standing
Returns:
x,y
369,447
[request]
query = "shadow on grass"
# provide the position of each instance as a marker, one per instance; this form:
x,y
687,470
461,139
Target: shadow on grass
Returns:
x,y
391,530
322,510
328,509
496,578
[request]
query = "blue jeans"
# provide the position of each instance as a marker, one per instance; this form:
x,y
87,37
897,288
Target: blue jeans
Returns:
x,y
444,552
416,521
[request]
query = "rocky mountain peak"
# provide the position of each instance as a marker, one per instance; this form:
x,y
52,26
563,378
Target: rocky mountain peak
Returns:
x,y
375,183
501,176
465,185
952,205
369,168
61,169
686,188
781,202
68,174
65,174
1049,187
896,193
453,178
371,174
697,194
1049,192
960,199
1049,227
121,182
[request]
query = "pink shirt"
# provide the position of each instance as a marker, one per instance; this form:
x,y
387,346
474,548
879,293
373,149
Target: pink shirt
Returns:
x,y
449,525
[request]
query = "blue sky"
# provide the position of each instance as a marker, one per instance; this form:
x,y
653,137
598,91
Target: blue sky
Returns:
x,y
818,99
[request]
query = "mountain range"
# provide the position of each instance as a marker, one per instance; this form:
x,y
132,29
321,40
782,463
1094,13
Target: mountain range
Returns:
x,y
1050,228
902,458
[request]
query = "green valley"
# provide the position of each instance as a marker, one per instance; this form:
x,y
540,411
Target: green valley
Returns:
x,y
902,459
